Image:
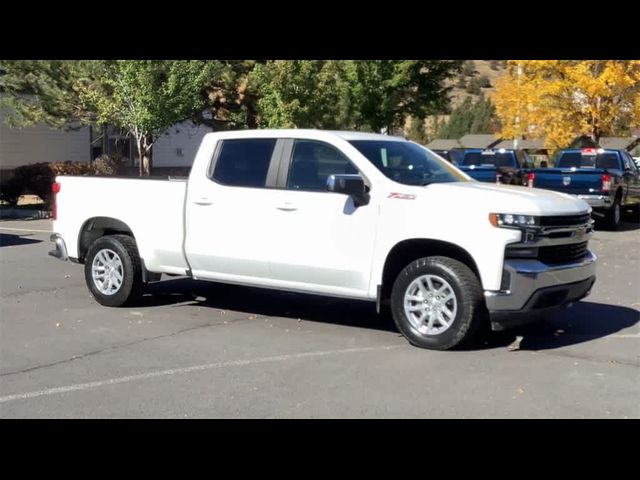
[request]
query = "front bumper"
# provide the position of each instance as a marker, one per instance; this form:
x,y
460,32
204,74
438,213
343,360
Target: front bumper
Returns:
x,y
61,248
533,285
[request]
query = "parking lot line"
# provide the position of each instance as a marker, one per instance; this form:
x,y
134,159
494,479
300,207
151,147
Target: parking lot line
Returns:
x,y
25,230
185,370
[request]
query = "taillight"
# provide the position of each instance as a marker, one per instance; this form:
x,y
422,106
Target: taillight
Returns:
x,y
606,182
530,179
55,188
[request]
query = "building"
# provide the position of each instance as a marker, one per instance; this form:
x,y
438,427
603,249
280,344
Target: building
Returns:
x,y
40,143
479,141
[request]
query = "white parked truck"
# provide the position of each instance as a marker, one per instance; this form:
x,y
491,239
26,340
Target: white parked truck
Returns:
x,y
345,214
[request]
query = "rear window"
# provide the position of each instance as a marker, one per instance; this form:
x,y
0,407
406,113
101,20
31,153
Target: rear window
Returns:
x,y
577,160
489,159
244,163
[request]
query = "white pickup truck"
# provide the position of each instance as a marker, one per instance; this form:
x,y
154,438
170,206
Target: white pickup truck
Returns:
x,y
345,214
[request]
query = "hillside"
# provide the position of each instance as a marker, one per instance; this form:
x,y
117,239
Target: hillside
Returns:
x,y
475,71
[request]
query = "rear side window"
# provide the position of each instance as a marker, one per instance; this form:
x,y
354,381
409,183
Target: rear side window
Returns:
x,y
244,163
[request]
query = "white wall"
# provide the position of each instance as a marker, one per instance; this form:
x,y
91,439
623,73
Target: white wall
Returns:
x,y
181,136
41,144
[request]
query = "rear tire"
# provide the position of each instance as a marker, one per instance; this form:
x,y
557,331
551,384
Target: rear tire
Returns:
x,y
113,271
437,303
613,214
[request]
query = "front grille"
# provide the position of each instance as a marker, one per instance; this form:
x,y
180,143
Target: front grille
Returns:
x,y
562,253
564,220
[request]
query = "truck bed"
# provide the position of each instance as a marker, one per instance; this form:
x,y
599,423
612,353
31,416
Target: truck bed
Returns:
x,y
152,208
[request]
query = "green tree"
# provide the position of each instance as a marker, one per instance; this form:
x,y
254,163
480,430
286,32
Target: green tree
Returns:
x,y
470,117
384,92
147,97
417,131
300,94
230,101
44,91
359,94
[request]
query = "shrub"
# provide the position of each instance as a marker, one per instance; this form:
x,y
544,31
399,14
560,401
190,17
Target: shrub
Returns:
x,y
484,81
106,165
473,87
37,178
10,189
468,68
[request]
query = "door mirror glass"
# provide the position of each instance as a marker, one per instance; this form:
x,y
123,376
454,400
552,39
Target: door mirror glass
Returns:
x,y
352,185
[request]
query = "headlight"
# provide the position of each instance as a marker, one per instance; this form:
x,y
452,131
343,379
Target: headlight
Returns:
x,y
512,220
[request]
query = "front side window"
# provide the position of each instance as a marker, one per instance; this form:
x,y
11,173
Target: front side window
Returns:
x,y
407,162
244,163
312,162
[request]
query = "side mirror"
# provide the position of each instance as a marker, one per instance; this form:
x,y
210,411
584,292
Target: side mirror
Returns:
x,y
352,185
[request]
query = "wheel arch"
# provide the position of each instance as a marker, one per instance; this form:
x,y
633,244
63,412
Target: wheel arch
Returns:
x,y
406,251
97,227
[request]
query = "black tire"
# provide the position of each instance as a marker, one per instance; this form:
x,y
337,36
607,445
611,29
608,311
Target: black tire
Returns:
x,y
613,215
130,290
471,308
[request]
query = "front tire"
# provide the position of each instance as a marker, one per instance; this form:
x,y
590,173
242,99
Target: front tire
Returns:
x,y
113,271
437,303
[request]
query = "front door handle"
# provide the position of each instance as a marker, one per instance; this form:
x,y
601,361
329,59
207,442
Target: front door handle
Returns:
x,y
203,201
287,207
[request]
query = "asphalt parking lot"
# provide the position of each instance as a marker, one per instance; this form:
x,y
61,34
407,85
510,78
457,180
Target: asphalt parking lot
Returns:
x,y
207,350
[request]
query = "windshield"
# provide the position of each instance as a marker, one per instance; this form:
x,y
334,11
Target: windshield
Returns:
x,y
577,160
489,159
407,162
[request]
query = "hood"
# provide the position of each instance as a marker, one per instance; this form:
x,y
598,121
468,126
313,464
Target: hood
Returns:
x,y
507,198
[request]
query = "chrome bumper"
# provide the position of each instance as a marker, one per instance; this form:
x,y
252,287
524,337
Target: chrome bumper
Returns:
x,y
61,249
534,285
596,201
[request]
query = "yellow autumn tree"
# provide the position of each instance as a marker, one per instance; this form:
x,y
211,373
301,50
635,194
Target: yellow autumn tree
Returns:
x,y
561,99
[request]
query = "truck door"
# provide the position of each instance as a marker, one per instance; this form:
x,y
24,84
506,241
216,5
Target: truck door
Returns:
x,y
326,243
227,211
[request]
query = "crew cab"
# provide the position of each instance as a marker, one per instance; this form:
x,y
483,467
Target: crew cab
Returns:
x,y
496,166
344,214
607,179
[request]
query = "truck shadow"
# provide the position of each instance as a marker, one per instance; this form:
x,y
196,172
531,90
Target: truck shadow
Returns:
x,y
9,240
264,302
583,322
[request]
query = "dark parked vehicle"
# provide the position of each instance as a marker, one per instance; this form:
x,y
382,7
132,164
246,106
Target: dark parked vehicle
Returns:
x,y
497,166
453,156
607,179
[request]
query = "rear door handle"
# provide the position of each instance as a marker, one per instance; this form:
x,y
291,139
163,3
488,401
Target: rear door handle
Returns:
x,y
287,207
203,201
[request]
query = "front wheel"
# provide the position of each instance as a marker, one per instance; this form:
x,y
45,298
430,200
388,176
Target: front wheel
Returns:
x,y
113,271
437,303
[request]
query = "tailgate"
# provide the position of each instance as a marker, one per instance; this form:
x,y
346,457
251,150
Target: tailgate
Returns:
x,y
574,181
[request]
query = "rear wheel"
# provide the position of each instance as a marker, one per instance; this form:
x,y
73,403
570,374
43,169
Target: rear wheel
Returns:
x,y
437,303
612,216
113,271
